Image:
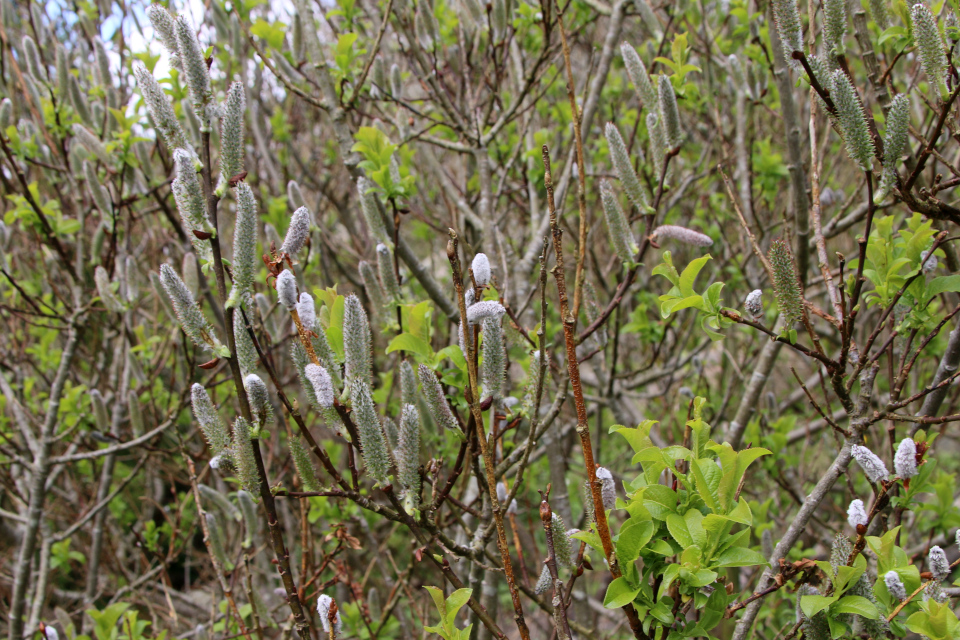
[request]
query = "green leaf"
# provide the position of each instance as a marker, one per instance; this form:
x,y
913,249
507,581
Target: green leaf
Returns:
x,y
660,500
739,557
943,284
689,275
856,604
619,594
413,344
678,529
812,605
271,32
634,535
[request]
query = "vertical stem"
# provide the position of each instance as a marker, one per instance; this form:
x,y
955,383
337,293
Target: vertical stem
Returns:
x,y
560,608
573,370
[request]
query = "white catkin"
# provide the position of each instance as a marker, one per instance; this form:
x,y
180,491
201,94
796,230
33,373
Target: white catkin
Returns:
x,y
501,492
195,69
622,165
322,384
872,466
231,135
307,311
933,56
246,352
373,444
190,202
484,309
938,563
481,269
436,400
388,276
244,247
905,460
259,398
356,342
857,514
105,290
287,289
895,585
624,242
544,582
754,303
835,24
493,369
192,321
789,27
160,109
682,234
323,611
297,232
165,27
608,488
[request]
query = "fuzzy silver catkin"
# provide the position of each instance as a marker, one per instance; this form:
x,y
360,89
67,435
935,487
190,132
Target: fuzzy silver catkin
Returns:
x,y
304,465
789,27
31,56
372,285
638,75
933,56
300,361
190,202
895,585
396,88
481,269
104,78
297,232
193,122
243,456
217,542
356,342
408,384
669,112
501,493
100,415
244,247
493,369
213,428
165,27
878,9
852,121
194,68
321,383
928,261
894,143
378,79
544,582
938,563
835,24
99,193
323,612
408,455
220,501
371,213
250,523
78,100
135,411
682,234
628,177
436,400
857,514
326,355
246,352
160,109
231,135
754,303
192,321
259,398
6,114
872,465
562,549
109,299
133,277
484,309
388,277
91,143
624,242
608,488
287,289
373,444
307,311
905,460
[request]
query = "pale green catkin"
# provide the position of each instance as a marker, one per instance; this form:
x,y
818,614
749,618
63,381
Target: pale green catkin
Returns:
x,y
562,548
373,444
304,465
356,342
190,202
638,75
105,290
165,27
192,321
624,168
408,384
135,411
217,542
789,27
894,143
244,247
371,214
220,501
408,455
259,397
243,457
326,355
436,400
213,428
669,112
786,284
658,144
99,193
388,276
91,143
250,523
78,100
31,56
231,136
372,285
195,69
853,122
878,9
933,56
835,24
100,415
621,236
493,368
246,351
